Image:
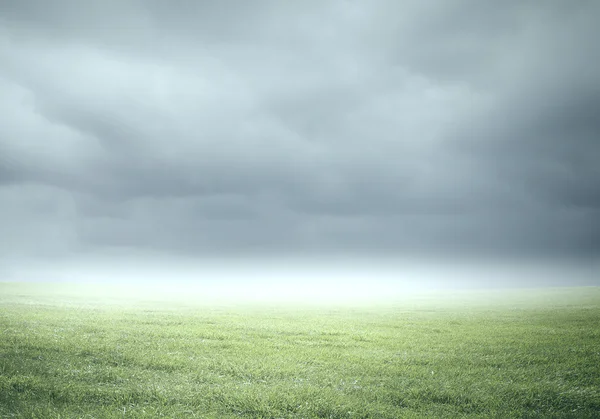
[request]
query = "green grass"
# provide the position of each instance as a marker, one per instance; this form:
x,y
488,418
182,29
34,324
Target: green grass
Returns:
x,y
68,352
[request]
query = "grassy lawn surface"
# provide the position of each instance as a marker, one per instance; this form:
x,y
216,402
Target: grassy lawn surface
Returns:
x,y
84,352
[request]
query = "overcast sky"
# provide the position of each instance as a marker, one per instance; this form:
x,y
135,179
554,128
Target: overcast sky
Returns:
x,y
342,128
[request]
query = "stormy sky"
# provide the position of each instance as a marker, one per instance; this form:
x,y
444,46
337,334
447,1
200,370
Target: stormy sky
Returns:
x,y
232,130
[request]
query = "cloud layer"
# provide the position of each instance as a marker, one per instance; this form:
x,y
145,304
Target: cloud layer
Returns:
x,y
325,127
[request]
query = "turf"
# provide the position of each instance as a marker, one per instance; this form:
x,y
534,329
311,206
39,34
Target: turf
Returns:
x,y
67,352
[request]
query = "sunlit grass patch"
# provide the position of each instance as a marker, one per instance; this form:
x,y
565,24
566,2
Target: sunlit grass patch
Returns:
x,y
525,353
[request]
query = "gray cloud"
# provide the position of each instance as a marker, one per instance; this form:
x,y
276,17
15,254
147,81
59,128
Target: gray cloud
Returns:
x,y
326,127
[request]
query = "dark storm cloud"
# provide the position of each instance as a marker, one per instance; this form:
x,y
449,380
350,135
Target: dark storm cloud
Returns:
x,y
338,126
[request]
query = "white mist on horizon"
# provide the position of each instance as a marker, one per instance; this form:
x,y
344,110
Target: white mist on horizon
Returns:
x,y
300,280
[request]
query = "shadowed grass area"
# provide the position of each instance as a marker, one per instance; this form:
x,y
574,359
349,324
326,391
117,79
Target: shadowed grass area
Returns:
x,y
65,352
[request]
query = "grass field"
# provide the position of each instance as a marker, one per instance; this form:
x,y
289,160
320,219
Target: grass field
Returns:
x,y
72,352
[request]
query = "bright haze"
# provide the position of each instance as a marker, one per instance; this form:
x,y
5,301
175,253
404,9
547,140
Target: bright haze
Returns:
x,y
335,146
